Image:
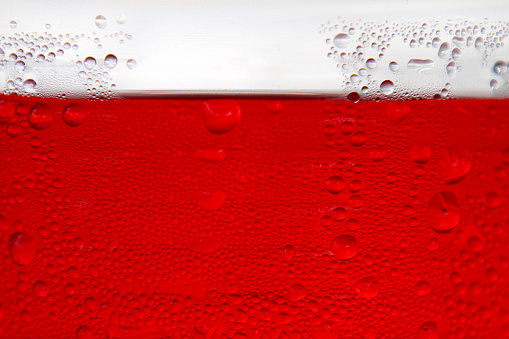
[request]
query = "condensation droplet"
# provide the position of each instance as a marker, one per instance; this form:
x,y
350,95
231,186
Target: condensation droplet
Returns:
x,y
344,247
90,63
131,63
387,87
121,19
443,211
341,40
393,66
100,22
29,85
13,24
110,61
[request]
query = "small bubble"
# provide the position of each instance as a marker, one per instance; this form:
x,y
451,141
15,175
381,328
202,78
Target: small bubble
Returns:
x,y
47,26
131,63
100,22
13,24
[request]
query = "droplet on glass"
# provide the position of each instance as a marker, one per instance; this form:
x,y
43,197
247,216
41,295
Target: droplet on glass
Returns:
x,y
221,115
74,115
344,247
443,211
100,22
110,61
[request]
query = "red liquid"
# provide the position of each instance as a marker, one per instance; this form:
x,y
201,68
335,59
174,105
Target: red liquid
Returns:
x,y
254,219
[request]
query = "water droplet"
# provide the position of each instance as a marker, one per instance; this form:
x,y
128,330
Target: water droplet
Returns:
x,y
13,24
110,61
500,67
367,287
22,248
452,69
41,289
479,42
393,66
74,115
341,40
90,63
212,201
29,85
475,244
456,53
335,184
387,87
13,130
459,41
371,63
131,63
19,66
221,115
353,97
47,26
100,22
428,330
204,245
40,117
339,214
420,65
210,154
493,200
422,288
444,50
420,147
344,247
121,19
297,292
7,110
456,163
443,211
